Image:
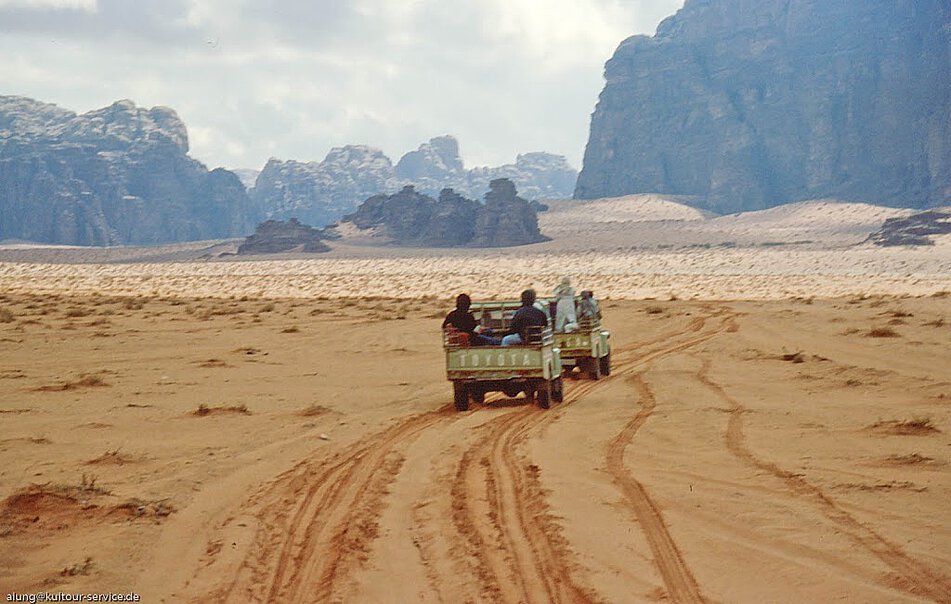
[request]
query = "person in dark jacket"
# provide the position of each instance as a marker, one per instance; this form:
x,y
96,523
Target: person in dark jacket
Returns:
x,y
462,319
525,317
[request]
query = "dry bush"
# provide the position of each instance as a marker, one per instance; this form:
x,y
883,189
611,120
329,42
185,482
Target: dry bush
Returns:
x,y
213,363
76,311
146,508
794,357
84,381
267,308
204,410
882,332
80,568
939,322
291,329
917,426
851,331
654,310
113,457
314,410
6,316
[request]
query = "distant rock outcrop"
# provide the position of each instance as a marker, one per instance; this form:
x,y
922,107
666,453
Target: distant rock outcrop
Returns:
x,y
413,218
117,175
917,229
322,192
745,104
274,237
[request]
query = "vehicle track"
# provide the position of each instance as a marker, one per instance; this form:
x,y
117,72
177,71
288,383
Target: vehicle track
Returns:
x,y
680,583
500,508
915,577
317,519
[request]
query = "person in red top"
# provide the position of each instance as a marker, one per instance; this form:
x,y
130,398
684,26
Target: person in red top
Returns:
x,y
462,320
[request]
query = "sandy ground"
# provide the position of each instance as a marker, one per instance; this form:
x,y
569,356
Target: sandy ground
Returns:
x,y
306,450
193,427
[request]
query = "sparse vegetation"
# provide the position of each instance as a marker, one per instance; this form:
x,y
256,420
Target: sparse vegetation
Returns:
x,y
155,508
794,357
917,426
6,316
84,381
654,310
204,410
81,568
314,410
882,332
291,329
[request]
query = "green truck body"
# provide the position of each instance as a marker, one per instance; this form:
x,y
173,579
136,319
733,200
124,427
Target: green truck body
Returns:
x,y
587,348
534,368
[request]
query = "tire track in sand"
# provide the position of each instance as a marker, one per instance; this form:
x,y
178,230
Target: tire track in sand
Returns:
x,y
499,506
679,581
316,520
913,576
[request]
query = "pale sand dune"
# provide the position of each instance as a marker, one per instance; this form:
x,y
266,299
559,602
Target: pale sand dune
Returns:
x,y
706,274
570,215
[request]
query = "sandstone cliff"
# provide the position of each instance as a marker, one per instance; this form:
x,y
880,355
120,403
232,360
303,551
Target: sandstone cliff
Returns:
x,y
745,104
117,175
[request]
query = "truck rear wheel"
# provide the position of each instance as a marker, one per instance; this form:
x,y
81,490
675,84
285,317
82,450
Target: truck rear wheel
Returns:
x,y
558,389
543,392
477,395
605,364
594,368
461,395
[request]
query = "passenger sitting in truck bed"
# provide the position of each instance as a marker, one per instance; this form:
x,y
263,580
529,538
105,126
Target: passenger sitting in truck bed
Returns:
x,y
588,308
462,319
525,317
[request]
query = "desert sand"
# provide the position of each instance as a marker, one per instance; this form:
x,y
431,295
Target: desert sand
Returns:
x,y
777,428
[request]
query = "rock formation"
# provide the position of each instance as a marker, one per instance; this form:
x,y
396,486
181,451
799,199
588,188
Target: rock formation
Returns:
x,y
273,237
413,218
117,175
322,192
746,104
917,229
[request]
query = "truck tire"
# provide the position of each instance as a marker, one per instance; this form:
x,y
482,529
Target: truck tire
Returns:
x,y
543,392
461,395
605,363
477,395
511,391
558,389
594,368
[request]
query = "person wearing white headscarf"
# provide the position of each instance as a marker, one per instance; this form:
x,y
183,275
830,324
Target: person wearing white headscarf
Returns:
x,y
565,314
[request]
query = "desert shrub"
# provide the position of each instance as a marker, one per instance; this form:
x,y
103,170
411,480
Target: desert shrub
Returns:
x,y
883,332
5,316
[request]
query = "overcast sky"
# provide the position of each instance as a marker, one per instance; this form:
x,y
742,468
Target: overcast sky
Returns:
x,y
254,79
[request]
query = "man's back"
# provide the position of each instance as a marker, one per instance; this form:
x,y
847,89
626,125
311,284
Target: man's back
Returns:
x,y
525,317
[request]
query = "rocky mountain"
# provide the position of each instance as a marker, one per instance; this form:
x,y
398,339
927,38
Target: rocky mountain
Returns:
x,y
116,175
918,229
321,192
410,217
746,104
273,236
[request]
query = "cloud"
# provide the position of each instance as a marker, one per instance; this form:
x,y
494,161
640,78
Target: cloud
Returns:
x,y
292,78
